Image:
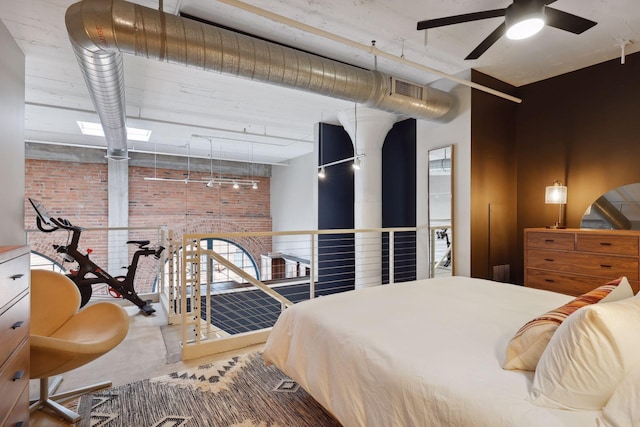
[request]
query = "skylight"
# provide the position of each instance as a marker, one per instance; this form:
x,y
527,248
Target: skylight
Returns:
x,y
95,129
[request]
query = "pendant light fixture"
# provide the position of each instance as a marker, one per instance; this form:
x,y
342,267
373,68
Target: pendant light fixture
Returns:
x,y
321,172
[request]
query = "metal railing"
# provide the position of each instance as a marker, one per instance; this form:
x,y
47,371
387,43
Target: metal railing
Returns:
x,y
229,299
295,266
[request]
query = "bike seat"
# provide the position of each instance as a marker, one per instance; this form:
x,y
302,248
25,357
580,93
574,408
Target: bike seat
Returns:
x,y
138,242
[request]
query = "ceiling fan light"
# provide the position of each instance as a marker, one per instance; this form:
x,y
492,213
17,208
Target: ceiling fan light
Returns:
x,y
525,28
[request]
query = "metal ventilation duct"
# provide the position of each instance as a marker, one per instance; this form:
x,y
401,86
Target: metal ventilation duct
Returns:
x,y
100,31
610,214
440,165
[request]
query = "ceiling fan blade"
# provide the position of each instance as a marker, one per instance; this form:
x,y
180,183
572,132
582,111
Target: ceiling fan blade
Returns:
x,y
458,19
488,42
566,21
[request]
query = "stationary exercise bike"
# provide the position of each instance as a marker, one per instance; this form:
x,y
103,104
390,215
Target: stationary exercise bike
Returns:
x,y
443,234
88,272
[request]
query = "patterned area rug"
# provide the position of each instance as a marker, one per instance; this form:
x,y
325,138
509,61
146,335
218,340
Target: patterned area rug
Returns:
x,y
239,392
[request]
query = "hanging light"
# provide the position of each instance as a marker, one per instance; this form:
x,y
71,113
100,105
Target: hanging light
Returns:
x,y
356,160
254,185
236,185
321,172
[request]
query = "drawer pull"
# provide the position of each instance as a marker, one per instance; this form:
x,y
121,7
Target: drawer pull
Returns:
x,y
17,324
548,240
17,376
549,259
605,244
16,276
549,280
605,266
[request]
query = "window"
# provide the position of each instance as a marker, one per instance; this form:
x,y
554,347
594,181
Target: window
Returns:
x,y
232,252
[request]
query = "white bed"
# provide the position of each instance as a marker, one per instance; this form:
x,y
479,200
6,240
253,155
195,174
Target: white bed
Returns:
x,y
424,353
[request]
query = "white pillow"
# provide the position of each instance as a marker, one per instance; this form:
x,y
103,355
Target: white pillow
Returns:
x,y
623,409
588,356
528,344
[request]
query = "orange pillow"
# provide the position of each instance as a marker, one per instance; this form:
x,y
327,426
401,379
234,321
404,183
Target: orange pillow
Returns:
x,y
526,346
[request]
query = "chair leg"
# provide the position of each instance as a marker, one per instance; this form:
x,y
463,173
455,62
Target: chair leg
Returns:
x,y
49,400
61,397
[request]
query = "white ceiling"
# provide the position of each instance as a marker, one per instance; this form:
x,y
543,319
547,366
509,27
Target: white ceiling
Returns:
x,y
178,103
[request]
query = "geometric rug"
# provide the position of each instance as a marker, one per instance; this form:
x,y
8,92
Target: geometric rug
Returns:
x,y
239,392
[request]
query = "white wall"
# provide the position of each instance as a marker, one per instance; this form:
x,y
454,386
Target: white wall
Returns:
x,y
432,135
294,188
294,197
11,140
294,203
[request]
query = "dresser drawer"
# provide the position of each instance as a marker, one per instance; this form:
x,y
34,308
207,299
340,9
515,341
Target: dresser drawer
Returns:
x,y
14,327
569,284
550,240
14,278
14,378
608,244
605,266
19,416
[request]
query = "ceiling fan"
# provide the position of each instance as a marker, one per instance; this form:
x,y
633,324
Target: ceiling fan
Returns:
x,y
522,19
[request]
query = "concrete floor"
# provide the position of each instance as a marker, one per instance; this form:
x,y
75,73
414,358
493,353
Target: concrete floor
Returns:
x,y
143,354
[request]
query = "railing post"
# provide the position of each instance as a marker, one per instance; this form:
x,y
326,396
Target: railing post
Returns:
x,y
391,257
312,273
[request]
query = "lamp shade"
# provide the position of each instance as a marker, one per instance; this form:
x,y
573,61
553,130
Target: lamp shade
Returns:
x,y
556,194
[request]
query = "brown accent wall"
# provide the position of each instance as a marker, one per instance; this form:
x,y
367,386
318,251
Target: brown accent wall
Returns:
x,y
493,178
582,128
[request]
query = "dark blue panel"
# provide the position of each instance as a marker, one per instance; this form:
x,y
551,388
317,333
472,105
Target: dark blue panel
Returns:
x,y
399,199
336,267
335,192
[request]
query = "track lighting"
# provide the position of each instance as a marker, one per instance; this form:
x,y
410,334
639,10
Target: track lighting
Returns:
x,y
355,164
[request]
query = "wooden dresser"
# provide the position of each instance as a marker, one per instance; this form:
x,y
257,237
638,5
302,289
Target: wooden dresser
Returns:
x,y
575,261
14,336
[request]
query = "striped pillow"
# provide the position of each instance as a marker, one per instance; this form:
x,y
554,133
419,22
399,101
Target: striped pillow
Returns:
x,y
526,346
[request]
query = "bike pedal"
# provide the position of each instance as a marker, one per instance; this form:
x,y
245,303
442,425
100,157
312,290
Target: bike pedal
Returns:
x,y
147,309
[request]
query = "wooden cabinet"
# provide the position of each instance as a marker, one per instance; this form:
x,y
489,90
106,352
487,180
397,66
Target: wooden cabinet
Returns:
x,y
574,261
272,267
14,335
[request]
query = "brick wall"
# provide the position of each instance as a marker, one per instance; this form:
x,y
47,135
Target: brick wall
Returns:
x,y
78,192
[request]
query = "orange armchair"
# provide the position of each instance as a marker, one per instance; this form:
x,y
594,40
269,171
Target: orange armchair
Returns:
x,y
63,337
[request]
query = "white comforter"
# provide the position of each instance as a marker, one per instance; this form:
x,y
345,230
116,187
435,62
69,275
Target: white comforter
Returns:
x,y
424,353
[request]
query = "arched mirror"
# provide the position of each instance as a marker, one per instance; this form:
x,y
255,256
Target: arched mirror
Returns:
x,y
618,209
441,212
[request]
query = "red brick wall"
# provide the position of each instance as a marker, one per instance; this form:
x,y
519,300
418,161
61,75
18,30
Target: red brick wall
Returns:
x,y
78,192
